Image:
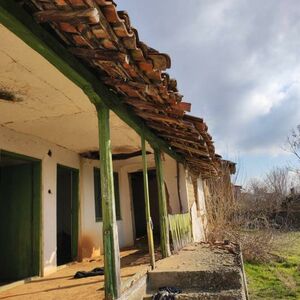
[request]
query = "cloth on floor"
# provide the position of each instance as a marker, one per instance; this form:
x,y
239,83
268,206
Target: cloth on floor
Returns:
x,y
166,293
94,272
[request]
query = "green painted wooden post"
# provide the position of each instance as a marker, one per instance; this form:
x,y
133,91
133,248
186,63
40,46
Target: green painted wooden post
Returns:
x,y
147,205
110,231
163,213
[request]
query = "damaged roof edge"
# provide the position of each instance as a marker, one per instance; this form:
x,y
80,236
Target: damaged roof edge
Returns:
x,y
23,25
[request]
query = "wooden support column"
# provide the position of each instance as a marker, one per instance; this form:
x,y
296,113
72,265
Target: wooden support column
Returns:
x,y
163,213
110,231
147,205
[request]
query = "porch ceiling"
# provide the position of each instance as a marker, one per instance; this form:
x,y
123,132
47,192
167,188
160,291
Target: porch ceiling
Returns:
x,y
48,105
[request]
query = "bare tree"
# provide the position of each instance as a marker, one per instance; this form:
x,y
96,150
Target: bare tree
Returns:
x,y
293,142
256,186
276,181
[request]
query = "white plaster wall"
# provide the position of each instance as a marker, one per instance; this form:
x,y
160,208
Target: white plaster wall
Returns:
x,y
91,242
198,213
170,178
183,176
197,227
38,148
202,214
90,231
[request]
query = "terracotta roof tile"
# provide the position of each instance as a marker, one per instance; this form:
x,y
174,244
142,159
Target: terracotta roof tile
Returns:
x,y
103,38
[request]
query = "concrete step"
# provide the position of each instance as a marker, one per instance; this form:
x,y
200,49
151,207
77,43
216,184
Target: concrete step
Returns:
x,y
221,295
205,281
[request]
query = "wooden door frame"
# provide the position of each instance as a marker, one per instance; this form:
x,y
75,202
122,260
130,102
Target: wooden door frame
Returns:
x,y
36,206
129,174
74,211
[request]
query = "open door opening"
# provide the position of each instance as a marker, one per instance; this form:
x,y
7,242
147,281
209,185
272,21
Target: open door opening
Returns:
x,y
20,185
67,214
138,200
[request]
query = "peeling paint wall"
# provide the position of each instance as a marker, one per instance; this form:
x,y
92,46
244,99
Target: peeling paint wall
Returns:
x,y
196,202
90,231
37,148
91,242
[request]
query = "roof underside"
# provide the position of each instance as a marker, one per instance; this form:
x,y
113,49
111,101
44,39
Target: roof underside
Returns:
x,y
103,38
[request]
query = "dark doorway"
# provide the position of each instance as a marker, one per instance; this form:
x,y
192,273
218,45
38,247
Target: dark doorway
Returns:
x,y
137,187
20,184
67,214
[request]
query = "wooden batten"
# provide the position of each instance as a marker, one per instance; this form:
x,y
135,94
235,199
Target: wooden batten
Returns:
x,y
100,54
190,149
185,106
159,117
89,15
184,139
163,128
153,107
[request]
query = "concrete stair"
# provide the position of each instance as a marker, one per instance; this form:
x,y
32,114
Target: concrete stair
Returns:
x,y
225,284
222,295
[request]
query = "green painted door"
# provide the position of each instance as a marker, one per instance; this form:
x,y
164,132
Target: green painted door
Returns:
x,y
19,228
67,214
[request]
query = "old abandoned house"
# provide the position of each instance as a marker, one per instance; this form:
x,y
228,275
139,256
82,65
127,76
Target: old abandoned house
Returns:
x,y
94,138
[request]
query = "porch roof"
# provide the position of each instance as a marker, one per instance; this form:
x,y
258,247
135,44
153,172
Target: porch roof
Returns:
x,y
104,40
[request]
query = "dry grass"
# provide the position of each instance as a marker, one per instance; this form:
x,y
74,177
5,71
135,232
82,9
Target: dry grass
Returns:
x,y
225,221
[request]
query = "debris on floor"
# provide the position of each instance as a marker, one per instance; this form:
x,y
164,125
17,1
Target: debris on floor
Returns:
x,y
166,293
94,272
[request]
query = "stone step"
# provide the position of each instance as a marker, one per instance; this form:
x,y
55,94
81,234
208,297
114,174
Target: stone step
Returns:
x,y
221,295
206,281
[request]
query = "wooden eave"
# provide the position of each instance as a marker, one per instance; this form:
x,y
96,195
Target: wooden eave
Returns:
x,y
118,69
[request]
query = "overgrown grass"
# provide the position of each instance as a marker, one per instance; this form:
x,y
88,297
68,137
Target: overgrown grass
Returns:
x,y
280,278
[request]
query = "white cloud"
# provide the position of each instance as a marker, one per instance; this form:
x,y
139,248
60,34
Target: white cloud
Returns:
x,y
237,61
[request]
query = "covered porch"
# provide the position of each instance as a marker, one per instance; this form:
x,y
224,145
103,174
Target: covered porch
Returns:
x,y
81,102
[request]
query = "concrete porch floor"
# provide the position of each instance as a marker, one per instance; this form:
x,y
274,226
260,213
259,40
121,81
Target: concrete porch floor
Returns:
x,y
61,285
200,271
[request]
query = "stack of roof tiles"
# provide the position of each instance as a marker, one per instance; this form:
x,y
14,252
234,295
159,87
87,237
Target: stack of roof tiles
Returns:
x,y
103,38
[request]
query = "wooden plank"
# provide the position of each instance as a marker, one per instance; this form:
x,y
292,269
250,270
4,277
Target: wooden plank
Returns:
x,y
163,213
109,225
189,129
190,149
159,117
147,205
185,106
23,25
140,104
90,14
184,139
100,54
173,131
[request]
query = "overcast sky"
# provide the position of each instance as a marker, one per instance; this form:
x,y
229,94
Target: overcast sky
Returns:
x,y
238,63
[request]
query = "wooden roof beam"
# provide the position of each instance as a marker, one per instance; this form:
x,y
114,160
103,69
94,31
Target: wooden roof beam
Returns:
x,y
189,149
90,15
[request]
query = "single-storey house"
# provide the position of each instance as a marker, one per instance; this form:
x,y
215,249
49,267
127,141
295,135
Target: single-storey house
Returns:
x,y
97,148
